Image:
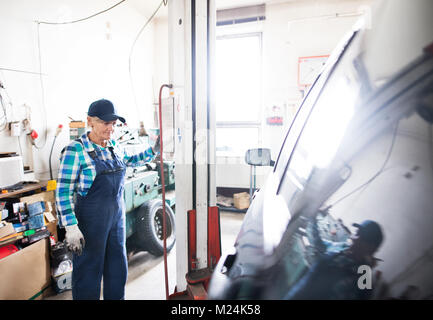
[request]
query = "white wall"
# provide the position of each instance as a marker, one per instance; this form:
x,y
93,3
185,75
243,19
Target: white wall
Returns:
x,y
161,54
81,65
81,62
291,30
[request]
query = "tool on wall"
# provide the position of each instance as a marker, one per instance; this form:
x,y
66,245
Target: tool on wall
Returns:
x,y
31,133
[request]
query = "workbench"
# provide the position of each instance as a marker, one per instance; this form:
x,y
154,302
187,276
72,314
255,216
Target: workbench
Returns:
x,y
35,187
26,274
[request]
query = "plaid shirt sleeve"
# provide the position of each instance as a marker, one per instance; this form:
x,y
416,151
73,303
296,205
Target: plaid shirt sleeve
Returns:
x,y
67,181
138,159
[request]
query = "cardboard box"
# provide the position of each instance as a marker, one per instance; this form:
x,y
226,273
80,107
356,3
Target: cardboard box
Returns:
x,y
77,124
26,273
50,208
241,200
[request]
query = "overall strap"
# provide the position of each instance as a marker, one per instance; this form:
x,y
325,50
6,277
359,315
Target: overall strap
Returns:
x,y
112,152
117,169
92,153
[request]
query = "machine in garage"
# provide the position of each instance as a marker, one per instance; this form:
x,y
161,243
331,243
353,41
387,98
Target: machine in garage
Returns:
x,y
142,194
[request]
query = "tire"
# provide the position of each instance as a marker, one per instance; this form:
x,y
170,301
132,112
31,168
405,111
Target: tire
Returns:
x,y
149,234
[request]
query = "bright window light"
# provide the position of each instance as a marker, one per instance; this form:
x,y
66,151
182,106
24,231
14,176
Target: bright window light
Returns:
x,y
238,93
238,78
325,129
236,141
328,123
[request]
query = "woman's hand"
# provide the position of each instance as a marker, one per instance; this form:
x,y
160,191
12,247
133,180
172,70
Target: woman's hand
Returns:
x,y
74,239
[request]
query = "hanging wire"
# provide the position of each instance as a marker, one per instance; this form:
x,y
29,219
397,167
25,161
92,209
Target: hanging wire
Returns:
x,y
40,61
22,71
163,2
83,19
49,161
42,91
4,116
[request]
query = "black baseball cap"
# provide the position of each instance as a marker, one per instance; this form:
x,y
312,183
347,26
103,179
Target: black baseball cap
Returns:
x,y
104,110
370,232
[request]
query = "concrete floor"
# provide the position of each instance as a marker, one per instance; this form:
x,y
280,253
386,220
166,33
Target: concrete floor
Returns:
x,y
146,272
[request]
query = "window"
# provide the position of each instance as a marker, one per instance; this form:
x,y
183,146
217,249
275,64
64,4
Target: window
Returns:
x,y
236,141
238,93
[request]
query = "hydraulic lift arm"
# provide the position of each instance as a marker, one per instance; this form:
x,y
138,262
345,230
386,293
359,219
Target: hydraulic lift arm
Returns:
x,y
191,55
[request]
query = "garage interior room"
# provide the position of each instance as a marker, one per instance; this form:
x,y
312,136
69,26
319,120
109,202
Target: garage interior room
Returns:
x,y
216,150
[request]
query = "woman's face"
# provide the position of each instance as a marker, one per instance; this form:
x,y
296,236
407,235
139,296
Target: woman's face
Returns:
x,y
101,129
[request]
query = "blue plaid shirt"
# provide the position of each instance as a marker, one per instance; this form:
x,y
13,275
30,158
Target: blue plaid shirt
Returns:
x,y
77,172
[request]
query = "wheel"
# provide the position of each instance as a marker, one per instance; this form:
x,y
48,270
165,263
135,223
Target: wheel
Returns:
x,y
149,234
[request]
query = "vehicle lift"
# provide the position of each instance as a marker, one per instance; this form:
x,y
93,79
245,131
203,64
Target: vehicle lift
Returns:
x,y
191,32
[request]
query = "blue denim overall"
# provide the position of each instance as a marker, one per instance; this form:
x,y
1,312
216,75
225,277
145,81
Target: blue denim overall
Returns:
x,y
101,219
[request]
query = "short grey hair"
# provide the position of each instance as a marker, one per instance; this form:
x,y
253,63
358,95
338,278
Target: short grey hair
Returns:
x,y
93,118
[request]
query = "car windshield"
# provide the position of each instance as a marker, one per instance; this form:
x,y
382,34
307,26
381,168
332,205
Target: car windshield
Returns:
x,y
311,144
376,166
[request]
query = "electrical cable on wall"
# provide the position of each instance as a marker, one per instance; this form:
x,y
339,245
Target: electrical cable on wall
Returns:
x,y
42,93
40,61
165,2
10,103
22,71
59,128
3,118
82,19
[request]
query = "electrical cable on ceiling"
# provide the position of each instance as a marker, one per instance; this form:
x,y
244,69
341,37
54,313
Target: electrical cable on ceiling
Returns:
x,y
381,170
42,92
83,19
4,123
163,2
40,61
22,71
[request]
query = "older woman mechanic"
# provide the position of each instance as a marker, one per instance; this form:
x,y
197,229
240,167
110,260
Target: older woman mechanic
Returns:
x,y
89,198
